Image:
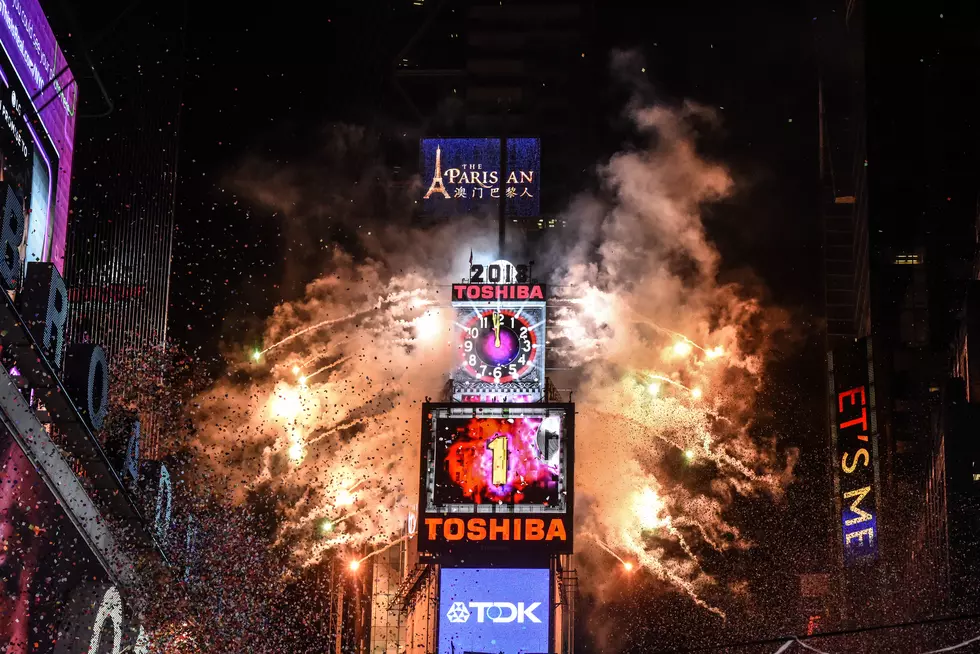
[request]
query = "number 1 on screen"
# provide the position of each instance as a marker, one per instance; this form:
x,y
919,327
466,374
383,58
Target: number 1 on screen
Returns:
x,y
498,446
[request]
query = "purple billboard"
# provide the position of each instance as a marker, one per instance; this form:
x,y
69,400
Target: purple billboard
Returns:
x,y
40,66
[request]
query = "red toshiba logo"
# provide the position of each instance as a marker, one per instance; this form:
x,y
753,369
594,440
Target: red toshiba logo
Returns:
x,y
496,529
498,292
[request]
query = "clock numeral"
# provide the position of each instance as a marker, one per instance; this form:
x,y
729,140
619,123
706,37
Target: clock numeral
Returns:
x,y
512,369
472,360
474,332
526,346
468,346
498,447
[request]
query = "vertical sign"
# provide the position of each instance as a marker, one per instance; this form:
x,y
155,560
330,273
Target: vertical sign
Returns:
x,y
854,433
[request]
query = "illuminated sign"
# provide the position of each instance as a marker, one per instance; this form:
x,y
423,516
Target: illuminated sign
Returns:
x,y
494,610
40,66
462,175
500,335
854,431
496,476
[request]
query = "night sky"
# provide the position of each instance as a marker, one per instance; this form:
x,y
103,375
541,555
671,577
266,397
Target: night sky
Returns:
x,y
274,83
270,85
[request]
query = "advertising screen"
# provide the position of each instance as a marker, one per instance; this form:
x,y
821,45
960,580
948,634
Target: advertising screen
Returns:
x,y
854,428
39,64
463,176
494,610
496,474
44,563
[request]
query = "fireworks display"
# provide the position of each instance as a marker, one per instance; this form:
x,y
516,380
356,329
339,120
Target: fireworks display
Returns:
x,y
663,360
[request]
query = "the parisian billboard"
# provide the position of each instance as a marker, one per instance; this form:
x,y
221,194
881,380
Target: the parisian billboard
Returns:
x,y
496,477
854,434
463,176
499,610
39,85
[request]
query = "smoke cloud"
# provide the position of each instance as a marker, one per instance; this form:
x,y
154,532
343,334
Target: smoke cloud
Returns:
x,y
663,360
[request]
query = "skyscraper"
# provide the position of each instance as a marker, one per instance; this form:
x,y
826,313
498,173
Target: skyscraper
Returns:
x,y
121,232
122,223
900,269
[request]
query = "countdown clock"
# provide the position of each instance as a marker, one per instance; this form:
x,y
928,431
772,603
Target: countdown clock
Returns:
x,y
501,353
498,345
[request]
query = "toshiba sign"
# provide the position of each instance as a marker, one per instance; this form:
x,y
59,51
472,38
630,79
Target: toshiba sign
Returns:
x,y
496,477
496,529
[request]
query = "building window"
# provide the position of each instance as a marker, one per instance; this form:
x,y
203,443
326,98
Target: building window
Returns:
x,y
907,259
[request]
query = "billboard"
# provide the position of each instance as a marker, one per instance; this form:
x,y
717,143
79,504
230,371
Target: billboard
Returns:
x,y
49,574
496,476
494,610
41,70
463,176
854,434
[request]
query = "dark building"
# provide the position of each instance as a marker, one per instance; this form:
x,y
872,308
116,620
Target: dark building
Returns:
x,y
480,68
840,41
121,233
913,220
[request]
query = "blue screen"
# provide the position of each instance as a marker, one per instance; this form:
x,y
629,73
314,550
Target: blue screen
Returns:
x,y
462,176
494,610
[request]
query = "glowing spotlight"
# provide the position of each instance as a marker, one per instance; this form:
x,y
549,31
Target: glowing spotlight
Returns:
x,y
696,393
295,370
650,509
682,348
286,404
302,380
428,325
628,566
297,453
256,355
326,527
654,388
355,565
345,498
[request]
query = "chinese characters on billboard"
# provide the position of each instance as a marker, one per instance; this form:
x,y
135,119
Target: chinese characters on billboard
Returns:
x,y
495,610
463,176
496,475
48,86
854,429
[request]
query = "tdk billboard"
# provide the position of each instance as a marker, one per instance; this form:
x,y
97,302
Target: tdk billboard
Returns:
x,y
494,610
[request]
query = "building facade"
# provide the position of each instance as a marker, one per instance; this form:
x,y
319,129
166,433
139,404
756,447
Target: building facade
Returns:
x,y
119,250
900,268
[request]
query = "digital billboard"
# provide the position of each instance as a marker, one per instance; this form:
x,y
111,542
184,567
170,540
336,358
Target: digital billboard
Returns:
x,y
463,176
854,429
45,565
496,476
43,74
494,610
500,337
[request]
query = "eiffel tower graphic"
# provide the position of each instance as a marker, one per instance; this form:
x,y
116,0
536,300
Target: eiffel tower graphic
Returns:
x,y
437,186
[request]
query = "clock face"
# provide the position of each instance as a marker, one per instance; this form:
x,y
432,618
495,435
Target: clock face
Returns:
x,y
498,345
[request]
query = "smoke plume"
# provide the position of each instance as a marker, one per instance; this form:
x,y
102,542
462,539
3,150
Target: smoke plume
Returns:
x,y
662,359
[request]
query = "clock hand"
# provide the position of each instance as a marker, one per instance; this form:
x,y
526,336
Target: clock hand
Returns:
x,y
497,319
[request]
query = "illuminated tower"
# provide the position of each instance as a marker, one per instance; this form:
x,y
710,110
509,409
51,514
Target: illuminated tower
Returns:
x,y
437,186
